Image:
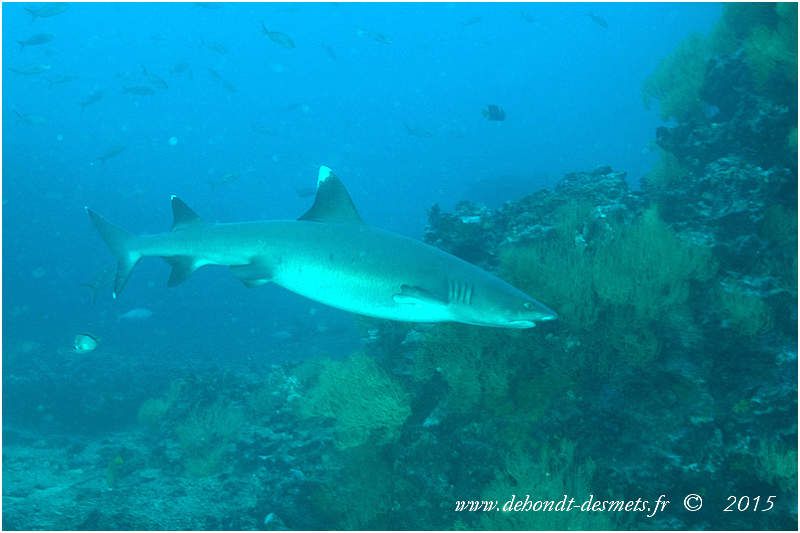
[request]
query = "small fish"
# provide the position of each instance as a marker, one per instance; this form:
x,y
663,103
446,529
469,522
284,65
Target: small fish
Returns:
x,y
85,343
228,86
30,70
261,128
416,131
282,335
45,10
30,119
61,79
278,37
225,179
138,313
154,80
179,68
93,97
36,40
597,19
216,76
139,90
375,36
215,47
494,113
104,278
299,106
114,151
158,38
329,51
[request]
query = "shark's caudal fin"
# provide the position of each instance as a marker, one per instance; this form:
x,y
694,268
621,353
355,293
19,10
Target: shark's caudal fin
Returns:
x,y
119,241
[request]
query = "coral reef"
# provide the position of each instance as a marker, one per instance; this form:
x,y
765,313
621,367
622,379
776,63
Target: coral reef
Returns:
x,y
365,404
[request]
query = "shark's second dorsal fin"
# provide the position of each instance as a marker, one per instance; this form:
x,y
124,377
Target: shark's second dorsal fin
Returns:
x,y
333,202
182,214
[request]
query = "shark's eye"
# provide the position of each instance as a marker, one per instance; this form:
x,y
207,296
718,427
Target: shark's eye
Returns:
x,y
527,305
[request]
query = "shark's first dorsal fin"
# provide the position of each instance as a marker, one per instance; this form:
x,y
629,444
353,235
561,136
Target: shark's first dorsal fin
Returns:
x,y
333,202
182,214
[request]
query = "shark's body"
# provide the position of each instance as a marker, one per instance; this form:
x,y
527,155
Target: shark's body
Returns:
x,y
331,256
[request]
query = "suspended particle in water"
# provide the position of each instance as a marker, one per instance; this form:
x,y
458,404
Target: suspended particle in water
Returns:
x,y
173,141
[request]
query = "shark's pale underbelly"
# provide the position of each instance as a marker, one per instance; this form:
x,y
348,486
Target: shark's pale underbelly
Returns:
x,y
356,292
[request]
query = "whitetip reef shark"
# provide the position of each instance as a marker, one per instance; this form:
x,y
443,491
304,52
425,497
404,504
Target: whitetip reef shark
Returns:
x,y
331,256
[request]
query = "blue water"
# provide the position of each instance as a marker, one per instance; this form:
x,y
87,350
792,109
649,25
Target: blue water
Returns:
x,y
127,104
570,88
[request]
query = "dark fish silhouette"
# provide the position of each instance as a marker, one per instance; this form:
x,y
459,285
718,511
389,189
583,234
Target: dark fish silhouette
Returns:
x,y
36,40
47,10
494,112
30,70
139,90
30,118
278,37
114,151
227,85
215,47
375,36
62,79
154,80
93,98
179,68
416,131
101,280
329,50
597,19
226,179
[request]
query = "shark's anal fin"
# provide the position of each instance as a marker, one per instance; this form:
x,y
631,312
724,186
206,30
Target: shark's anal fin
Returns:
x,y
412,295
182,214
253,274
182,268
333,202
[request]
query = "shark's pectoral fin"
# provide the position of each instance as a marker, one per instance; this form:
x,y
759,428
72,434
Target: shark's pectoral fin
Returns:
x,y
253,274
412,295
182,268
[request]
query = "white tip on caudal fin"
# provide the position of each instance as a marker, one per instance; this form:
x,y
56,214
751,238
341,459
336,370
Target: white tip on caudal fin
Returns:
x,y
119,241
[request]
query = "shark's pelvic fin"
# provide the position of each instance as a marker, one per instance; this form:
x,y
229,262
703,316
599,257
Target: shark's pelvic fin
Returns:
x,y
182,268
333,202
182,214
254,274
120,243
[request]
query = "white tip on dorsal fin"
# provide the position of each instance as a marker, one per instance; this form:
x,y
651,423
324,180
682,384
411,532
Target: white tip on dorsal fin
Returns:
x,y
324,174
332,202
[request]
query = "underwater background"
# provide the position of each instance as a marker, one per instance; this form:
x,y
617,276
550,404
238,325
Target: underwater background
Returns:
x,y
633,166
